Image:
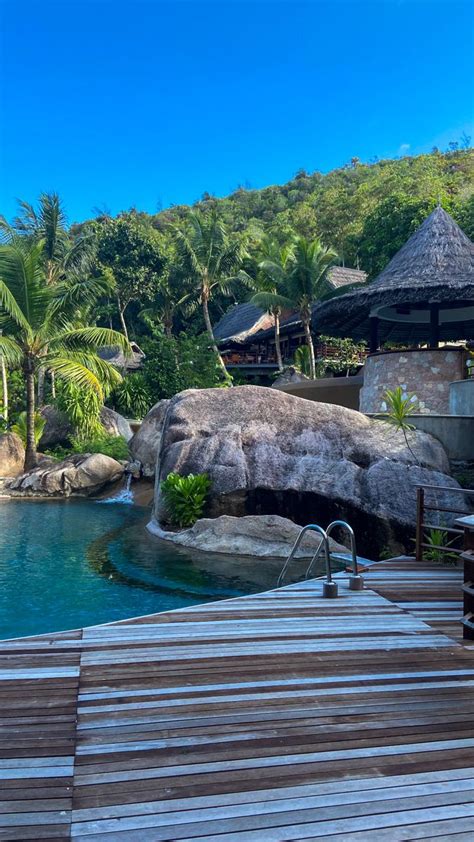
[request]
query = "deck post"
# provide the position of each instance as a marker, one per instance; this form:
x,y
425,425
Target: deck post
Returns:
x,y
420,510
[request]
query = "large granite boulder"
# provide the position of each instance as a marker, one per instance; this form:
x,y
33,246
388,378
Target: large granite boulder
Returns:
x,y
79,474
264,536
58,429
12,455
145,444
267,452
115,424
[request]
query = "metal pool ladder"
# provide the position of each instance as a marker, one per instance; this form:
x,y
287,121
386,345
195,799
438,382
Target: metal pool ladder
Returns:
x,y
356,582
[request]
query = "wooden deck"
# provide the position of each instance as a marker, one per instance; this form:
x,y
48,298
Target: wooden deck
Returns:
x,y
278,716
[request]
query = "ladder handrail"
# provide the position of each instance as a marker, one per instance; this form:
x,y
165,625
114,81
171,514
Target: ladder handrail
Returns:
x,y
349,529
315,528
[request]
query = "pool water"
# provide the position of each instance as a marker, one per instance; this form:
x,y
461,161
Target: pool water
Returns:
x,y
68,564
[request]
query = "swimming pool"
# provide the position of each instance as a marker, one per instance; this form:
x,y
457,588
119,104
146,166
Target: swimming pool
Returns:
x,y
74,563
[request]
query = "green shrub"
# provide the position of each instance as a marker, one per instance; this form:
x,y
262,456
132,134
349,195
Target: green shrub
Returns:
x,y
114,446
185,497
20,426
132,396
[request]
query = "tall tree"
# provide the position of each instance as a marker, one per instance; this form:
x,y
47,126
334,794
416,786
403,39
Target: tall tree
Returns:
x,y
37,330
269,282
300,275
130,252
211,261
65,259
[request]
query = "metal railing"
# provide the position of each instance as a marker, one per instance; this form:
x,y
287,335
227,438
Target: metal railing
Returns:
x,y
421,544
356,583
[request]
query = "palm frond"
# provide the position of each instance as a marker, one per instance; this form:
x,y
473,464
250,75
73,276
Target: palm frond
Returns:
x,y
270,300
92,337
10,351
74,372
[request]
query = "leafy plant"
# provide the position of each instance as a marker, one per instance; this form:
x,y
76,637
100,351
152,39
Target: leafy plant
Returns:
x,y
185,497
132,397
20,427
437,538
114,446
82,407
400,407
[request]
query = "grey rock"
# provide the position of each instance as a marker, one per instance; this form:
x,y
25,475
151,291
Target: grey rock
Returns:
x,y
77,475
263,536
115,424
58,429
268,452
145,444
12,455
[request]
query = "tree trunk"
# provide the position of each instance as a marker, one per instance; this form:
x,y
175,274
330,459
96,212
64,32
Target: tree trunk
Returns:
x,y
276,316
309,342
41,376
210,332
53,384
121,312
31,458
4,388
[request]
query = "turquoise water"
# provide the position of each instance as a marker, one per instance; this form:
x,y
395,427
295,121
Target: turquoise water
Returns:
x,y
76,563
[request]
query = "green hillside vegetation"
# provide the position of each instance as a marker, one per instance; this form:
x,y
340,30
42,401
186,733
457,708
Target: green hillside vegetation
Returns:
x,y
165,279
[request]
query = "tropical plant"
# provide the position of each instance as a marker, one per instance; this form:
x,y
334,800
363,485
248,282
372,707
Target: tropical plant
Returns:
x,y
114,446
20,427
38,332
269,284
130,255
300,278
399,408
132,396
437,539
82,408
185,497
302,360
211,261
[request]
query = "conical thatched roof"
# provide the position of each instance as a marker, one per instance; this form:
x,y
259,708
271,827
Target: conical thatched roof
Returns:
x,y
436,265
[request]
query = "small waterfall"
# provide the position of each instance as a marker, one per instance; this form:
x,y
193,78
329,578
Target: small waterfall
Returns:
x,y
123,496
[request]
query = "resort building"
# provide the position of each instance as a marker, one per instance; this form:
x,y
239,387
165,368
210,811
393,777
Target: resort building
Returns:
x,y
246,333
418,316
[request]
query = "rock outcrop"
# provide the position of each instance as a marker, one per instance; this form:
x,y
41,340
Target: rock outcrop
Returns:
x,y
267,452
58,429
145,444
263,536
115,424
82,475
12,455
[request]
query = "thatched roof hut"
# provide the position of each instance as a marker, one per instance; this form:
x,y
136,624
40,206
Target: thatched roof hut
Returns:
x,y
425,294
243,321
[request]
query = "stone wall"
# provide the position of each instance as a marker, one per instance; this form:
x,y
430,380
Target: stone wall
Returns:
x,y
424,373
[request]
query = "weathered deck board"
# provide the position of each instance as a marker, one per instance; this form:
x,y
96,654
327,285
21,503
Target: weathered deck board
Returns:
x,y
277,716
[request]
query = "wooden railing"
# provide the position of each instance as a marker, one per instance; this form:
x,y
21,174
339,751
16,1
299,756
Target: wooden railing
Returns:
x,y
421,526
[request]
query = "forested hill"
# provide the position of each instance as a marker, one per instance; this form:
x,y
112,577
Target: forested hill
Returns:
x,y
364,211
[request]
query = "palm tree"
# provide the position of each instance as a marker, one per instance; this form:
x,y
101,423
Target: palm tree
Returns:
x,y
211,262
38,332
65,260
300,277
269,281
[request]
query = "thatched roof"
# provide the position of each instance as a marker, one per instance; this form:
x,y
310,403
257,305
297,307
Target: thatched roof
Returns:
x,y
243,321
436,265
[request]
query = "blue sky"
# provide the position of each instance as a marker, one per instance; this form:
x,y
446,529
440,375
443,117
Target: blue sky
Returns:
x,y
120,103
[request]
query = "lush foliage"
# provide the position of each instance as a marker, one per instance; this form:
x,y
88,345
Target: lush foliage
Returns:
x,y
132,396
38,327
174,363
21,429
114,446
185,497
